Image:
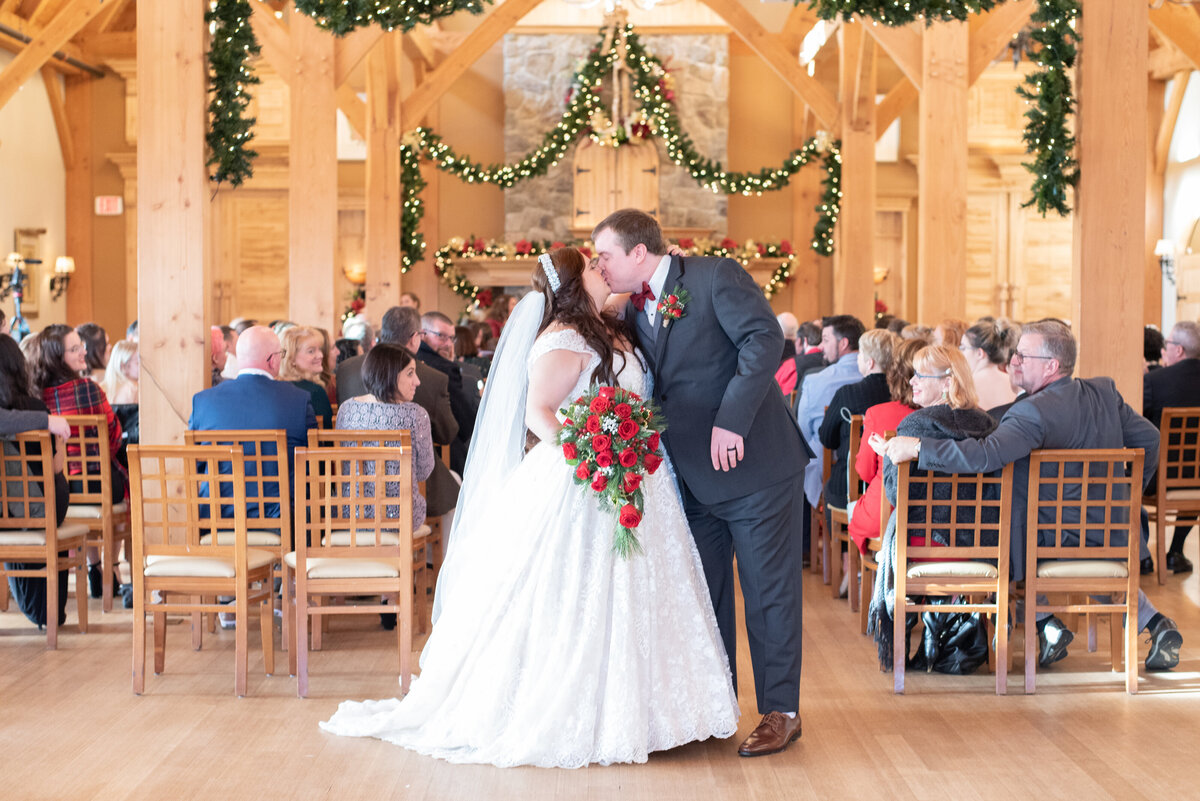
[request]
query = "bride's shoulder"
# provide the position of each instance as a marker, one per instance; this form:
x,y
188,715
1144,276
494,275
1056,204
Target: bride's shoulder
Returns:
x,y
558,336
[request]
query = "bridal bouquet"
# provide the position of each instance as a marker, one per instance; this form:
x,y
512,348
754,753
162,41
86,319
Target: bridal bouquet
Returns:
x,y
610,436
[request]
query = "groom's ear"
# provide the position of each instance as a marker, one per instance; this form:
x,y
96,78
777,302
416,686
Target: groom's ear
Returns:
x,y
638,252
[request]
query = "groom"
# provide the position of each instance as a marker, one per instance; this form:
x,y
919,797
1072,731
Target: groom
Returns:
x,y
735,448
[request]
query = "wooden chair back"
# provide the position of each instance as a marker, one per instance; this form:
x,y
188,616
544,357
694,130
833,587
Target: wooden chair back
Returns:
x,y
267,477
970,513
1177,490
854,485
88,460
27,493
1083,535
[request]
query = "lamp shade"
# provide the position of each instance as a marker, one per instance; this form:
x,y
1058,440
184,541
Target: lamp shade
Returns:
x,y
64,265
1164,247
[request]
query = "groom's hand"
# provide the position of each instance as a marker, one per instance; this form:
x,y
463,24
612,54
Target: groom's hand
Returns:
x,y
727,449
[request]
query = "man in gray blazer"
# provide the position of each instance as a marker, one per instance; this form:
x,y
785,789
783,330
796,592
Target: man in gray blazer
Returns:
x,y
735,447
402,328
1058,412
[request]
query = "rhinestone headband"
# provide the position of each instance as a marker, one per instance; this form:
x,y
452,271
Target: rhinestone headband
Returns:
x,y
551,273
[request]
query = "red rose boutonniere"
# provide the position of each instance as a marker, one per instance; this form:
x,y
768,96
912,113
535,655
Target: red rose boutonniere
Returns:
x,y
671,306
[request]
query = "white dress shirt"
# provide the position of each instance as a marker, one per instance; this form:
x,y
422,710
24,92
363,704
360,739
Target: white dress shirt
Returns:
x,y
656,286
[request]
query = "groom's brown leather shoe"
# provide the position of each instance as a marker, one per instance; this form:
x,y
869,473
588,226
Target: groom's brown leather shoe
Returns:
x,y
774,734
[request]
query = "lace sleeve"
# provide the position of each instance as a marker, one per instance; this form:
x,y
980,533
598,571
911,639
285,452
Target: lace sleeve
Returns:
x,y
562,339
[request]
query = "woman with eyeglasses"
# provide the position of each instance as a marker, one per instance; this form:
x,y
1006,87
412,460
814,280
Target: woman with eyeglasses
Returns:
x,y
303,365
987,347
61,358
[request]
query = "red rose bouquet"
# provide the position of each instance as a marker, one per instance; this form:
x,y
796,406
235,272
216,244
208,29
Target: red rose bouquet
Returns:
x,y
610,436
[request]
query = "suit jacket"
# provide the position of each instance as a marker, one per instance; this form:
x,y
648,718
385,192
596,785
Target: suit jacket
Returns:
x,y
253,401
834,432
715,366
464,403
1177,385
1069,413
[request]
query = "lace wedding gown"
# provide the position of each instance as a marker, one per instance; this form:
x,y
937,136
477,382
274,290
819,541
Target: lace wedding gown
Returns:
x,y
553,651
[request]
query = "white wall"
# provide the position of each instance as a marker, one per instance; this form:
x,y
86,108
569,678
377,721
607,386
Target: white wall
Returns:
x,y
32,188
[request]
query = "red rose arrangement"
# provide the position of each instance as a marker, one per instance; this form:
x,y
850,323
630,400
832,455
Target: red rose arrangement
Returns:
x,y
611,437
671,306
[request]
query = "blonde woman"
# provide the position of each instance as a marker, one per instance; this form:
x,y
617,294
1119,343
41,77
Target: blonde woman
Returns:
x,y
121,376
987,346
302,364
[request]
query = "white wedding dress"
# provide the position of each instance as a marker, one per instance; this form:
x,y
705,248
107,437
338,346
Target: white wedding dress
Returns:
x,y
550,649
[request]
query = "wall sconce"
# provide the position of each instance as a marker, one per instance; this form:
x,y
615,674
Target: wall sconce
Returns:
x,y
14,265
64,267
1165,250
355,273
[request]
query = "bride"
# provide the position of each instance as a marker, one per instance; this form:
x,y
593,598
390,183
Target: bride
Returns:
x,y
549,649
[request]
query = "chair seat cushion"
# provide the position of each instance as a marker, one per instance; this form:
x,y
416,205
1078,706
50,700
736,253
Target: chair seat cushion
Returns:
x,y
37,536
953,570
367,538
255,538
346,568
1183,495
1082,568
80,511
204,566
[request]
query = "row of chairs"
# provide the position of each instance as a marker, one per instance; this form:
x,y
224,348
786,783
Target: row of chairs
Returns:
x,y
971,513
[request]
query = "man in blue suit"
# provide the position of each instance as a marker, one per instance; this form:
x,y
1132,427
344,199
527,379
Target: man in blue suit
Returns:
x,y
255,400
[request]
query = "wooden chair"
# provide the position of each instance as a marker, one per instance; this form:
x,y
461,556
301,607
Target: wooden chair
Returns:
x,y
29,531
267,483
839,530
178,568
1177,490
89,464
979,506
354,539
870,568
1102,487
818,542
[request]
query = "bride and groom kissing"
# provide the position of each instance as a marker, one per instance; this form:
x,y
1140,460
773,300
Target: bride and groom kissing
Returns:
x,y
549,649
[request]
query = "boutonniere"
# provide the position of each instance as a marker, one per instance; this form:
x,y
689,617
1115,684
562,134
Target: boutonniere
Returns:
x,y
671,306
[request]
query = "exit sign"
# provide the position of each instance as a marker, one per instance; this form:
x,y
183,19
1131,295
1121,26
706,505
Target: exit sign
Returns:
x,y
109,205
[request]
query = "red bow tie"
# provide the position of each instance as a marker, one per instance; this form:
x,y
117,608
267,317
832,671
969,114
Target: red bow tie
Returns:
x,y
638,299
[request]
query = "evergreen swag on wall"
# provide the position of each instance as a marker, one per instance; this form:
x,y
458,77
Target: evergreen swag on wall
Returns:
x,y
1047,134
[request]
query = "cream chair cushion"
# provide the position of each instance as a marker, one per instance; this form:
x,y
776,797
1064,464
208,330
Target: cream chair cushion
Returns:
x,y
204,566
1183,495
367,538
1082,568
94,511
953,569
346,568
37,536
255,538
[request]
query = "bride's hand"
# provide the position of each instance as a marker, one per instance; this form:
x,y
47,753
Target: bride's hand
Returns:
x,y
675,250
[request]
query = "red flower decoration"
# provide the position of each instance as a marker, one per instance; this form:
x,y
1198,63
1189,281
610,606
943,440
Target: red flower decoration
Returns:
x,y
583,472
600,404
604,459
623,410
593,424
601,442
523,247
687,243
762,249
628,458
570,451
556,245
628,429
652,443
607,392
728,244
479,245
631,482
629,517
484,298
587,252
880,307
785,247
653,460
600,482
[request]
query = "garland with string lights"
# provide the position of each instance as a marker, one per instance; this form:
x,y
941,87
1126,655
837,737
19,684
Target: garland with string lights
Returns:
x,y
229,130
343,16
1047,133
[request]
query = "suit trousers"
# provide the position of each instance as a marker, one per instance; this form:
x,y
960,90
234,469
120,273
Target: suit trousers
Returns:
x,y
763,529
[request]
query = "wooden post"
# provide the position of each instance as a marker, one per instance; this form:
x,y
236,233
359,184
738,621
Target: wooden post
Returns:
x,y
1110,213
942,176
173,214
78,106
383,176
1152,274
805,301
853,282
312,176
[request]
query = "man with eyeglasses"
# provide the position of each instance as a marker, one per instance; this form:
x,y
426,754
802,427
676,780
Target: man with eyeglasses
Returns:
x,y
1058,412
1174,385
437,351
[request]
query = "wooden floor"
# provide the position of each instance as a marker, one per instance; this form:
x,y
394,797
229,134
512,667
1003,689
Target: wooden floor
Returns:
x,y
70,727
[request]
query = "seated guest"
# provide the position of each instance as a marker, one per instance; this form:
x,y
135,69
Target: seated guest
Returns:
x,y
896,325
230,335
467,356
357,327
402,328
484,342
240,324
945,396
410,300
437,351
921,332
497,314
132,331
808,357
121,386
97,349
217,354
949,332
328,379
1058,412
879,419
255,400
1175,384
790,326
60,361
987,346
347,349
874,358
17,397
302,364
1152,348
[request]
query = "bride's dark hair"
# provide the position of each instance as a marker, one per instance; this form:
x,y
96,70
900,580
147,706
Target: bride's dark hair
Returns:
x,y
572,306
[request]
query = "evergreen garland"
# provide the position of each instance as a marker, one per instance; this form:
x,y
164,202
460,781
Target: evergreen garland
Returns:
x,y
229,130
412,241
1047,135
343,16
901,12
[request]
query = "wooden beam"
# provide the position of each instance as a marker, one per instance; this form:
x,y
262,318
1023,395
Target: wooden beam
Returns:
x,y
121,44
772,50
46,11
9,6
416,42
24,27
354,109
1110,199
1152,277
58,109
997,28
273,37
1166,60
855,256
893,104
172,214
799,22
60,30
106,20
805,188
103,20
351,49
903,46
383,190
493,27
80,220
1166,130
1181,25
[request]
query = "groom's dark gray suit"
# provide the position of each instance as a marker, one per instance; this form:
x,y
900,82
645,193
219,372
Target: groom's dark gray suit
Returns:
x,y
715,366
